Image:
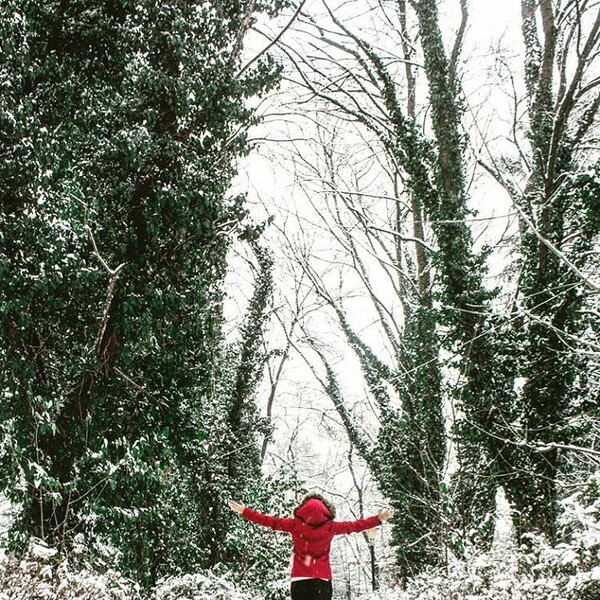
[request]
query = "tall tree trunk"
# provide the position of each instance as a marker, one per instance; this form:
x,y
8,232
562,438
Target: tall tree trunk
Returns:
x,y
551,293
484,389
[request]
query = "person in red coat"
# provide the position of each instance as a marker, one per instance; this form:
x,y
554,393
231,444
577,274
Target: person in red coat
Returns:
x,y
312,528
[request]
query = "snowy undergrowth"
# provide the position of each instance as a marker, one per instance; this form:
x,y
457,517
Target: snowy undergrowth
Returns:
x,y
5,523
42,574
199,586
569,570
541,573
504,576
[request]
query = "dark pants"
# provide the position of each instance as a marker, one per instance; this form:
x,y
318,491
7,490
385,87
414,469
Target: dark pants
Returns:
x,y
311,589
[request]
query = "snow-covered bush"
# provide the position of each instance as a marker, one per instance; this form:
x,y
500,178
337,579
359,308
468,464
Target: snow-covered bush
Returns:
x,y
42,573
199,586
573,563
498,576
569,570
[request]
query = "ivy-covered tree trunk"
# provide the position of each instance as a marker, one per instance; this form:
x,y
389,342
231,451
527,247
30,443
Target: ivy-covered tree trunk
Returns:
x,y
119,133
560,221
484,393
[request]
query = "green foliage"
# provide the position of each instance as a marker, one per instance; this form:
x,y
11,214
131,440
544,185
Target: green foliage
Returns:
x,y
408,455
120,126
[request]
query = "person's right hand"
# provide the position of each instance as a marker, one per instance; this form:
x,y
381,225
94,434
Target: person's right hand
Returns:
x,y
385,514
237,507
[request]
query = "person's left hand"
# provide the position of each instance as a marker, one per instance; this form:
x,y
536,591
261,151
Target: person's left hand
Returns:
x,y
237,507
385,514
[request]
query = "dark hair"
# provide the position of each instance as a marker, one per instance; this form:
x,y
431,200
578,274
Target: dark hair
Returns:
x,y
330,507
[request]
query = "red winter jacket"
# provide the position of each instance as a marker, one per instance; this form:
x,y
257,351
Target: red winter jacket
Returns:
x,y
312,529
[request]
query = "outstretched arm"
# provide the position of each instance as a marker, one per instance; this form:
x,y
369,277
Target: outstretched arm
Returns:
x,y
343,527
275,523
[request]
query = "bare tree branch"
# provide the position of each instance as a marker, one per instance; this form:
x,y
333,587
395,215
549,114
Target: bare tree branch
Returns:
x,y
274,41
113,277
458,42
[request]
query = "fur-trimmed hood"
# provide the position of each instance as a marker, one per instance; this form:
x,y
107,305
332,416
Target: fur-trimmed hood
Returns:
x,y
315,510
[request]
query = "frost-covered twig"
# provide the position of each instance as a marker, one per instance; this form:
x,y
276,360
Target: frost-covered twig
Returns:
x,y
556,446
512,193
